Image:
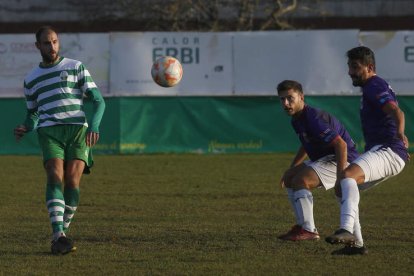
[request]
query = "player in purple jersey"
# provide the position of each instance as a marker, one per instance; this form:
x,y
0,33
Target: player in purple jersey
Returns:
x,y
385,154
329,148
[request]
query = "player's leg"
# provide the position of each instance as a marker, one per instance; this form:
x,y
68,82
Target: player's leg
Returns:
x,y
368,170
358,247
53,156
55,202
299,185
349,199
77,154
56,206
73,174
302,184
288,176
50,140
321,172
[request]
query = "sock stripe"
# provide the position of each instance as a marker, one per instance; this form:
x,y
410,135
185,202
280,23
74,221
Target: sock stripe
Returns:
x,y
71,196
54,219
55,200
56,209
70,208
68,216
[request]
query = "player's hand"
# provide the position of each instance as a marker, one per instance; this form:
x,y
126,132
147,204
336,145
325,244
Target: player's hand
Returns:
x,y
405,140
19,132
92,138
406,143
338,189
283,179
282,182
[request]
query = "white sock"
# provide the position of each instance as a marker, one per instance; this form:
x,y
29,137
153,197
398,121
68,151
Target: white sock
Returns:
x,y
357,231
304,206
357,228
291,197
349,204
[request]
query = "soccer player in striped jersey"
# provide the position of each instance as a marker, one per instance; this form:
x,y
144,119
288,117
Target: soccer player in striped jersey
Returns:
x,y
383,126
54,91
329,147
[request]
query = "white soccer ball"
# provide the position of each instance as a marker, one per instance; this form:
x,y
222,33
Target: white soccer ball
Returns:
x,y
167,71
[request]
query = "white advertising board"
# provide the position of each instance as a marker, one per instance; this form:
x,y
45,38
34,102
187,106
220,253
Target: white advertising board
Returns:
x,y
218,64
19,55
206,59
394,56
314,58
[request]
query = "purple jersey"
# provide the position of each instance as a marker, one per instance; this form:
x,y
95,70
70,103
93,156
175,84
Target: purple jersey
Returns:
x,y
317,130
378,127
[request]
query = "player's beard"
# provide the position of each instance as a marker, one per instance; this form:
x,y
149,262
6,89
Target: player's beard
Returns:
x,y
357,81
50,58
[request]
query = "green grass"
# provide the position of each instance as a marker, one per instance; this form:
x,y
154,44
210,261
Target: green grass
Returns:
x,y
192,215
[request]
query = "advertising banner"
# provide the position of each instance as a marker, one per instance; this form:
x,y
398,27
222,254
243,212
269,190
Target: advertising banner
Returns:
x,y
218,64
206,59
314,58
19,55
204,125
394,54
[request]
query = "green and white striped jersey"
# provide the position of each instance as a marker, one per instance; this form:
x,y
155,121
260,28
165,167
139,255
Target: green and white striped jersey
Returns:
x,y
56,92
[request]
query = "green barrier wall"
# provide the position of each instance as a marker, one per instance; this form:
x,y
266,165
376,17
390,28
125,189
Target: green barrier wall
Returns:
x,y
196,124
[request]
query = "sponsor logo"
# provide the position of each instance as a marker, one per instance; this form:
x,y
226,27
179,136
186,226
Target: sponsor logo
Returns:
x,y
409,54
186,49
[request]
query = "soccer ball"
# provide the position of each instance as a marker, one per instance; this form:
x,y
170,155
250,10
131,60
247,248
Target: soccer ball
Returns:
x,y
167,71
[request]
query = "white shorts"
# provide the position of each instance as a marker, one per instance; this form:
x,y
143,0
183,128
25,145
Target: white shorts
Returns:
x,y
325,168
378,164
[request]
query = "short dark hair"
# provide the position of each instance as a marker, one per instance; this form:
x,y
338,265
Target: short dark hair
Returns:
x,y
289,84
363,54
43,29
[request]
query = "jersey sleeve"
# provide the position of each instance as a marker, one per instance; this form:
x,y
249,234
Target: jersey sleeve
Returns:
x,y
32,118
89,88
326,133
32,115
98,108
379,95
320,127
85,80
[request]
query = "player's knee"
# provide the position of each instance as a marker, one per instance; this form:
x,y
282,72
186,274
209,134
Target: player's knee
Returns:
x,y
72,179
355,172
358,178
299,183
54,172
348,174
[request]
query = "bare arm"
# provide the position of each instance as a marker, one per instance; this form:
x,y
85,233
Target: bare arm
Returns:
x,y
341,155
299,157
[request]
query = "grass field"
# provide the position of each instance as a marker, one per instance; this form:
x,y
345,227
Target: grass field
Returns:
x,y
195,215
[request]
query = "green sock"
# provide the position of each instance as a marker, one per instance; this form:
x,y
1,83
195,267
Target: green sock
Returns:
x,y
71,204
56,206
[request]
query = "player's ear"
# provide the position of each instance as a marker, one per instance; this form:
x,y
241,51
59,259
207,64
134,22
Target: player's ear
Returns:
x,y
371,68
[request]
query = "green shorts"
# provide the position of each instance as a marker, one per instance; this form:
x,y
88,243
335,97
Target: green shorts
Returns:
x,y
66,142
